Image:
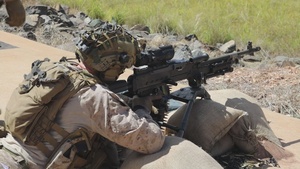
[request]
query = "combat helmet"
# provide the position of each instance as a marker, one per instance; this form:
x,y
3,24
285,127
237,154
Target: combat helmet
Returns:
x,y
107,50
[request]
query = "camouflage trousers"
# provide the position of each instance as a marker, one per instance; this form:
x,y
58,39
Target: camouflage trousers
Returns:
x,y
8,161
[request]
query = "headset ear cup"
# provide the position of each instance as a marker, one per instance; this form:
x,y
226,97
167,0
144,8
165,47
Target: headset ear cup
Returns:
x,y
124,58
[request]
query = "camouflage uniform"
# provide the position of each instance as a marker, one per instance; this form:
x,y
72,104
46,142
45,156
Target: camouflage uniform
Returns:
x,y
7,161
101,111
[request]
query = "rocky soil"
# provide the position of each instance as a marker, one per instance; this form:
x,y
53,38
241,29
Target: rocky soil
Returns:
x,y
273,80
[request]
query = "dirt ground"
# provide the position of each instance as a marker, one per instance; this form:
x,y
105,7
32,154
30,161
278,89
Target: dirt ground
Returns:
x,y
276,88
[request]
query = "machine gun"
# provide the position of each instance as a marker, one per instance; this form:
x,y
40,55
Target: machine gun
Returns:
x,y
155,71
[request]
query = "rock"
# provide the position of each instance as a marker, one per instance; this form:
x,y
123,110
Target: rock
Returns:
x,y
248,58
196,44
65,20
182,53
63,9
87,20
96,23
198,53
28,35
140,27
45,19
228,47
31,36
283,61
81,15
157,40
27,27
190,37
295,60
76,21
40,10
33,19
3,13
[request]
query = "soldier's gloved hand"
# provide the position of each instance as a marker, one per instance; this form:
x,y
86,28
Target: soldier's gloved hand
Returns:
x,y
16,13
127,99
144,102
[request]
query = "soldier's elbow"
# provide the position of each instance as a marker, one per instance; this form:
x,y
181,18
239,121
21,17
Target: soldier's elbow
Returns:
x,y
154,144
157,146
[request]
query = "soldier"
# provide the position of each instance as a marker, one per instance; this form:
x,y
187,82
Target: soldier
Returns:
x,y
85,129
15,11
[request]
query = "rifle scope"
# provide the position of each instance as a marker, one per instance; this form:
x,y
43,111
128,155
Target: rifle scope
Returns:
x,y
155,57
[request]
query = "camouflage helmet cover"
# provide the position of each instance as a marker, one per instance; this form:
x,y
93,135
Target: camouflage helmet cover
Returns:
x,y
103,48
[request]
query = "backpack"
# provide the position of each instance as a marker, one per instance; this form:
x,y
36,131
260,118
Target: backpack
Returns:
x,y
33,105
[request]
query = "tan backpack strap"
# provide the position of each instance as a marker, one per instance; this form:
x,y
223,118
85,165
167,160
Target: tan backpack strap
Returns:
x,y
44,149
95,157
59,130
74,137
78,162
98,154
48,138
101,156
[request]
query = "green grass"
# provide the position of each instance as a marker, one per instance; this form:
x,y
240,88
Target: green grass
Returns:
x,y
272,24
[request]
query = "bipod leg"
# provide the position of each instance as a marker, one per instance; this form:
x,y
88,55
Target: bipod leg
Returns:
x,y
188,95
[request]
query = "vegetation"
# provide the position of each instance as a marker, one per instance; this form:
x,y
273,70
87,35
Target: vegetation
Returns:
x,y
272,24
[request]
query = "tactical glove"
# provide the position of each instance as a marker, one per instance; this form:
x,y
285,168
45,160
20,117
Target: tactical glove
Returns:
x,y
144,102
16,13
127,100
